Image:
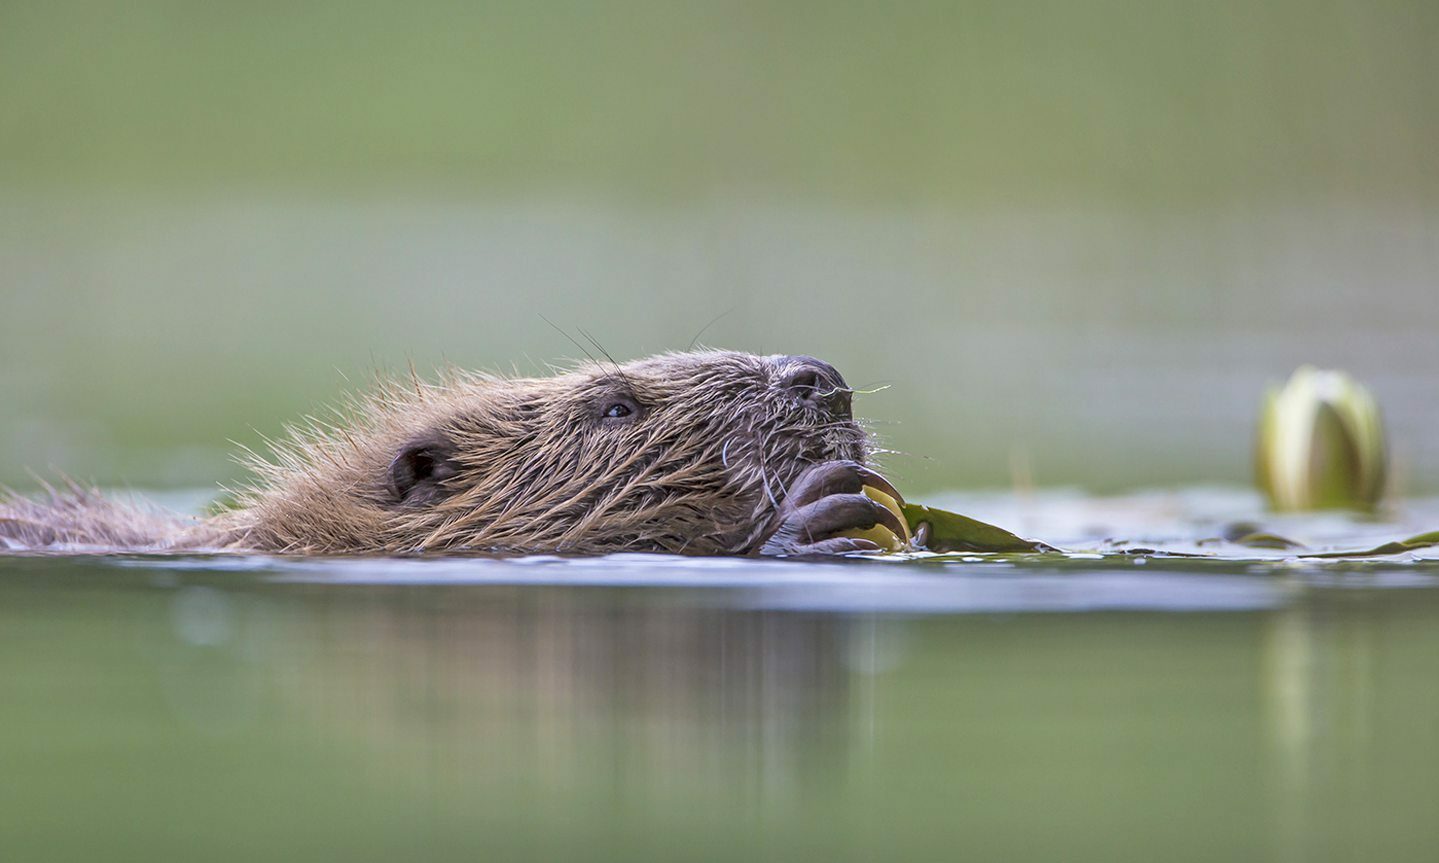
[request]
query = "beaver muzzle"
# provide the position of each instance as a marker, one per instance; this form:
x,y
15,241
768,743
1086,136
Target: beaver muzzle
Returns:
x,y
827,500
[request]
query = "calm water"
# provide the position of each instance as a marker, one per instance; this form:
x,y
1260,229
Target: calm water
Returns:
x,y
641,707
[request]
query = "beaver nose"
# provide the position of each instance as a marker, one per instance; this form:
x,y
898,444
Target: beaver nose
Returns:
x,y
818,383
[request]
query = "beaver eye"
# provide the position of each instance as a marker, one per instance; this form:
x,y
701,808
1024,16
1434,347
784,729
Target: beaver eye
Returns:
x,y
619,408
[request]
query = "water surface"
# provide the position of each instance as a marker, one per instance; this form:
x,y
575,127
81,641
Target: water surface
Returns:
x,y
648,707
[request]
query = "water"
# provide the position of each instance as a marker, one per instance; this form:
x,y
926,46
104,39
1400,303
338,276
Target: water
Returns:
x,y
642,707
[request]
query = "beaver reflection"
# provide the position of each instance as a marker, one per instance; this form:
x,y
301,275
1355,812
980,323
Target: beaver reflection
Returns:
x,y
542,681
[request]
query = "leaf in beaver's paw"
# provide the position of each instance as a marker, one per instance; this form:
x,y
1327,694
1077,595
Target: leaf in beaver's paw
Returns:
x,y
1413,543
949,531
879,534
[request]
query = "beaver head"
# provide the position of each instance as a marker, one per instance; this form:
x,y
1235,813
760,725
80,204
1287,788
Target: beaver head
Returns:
x,y
684,452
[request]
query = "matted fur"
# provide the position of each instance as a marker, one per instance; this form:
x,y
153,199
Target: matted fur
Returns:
x,y
699,469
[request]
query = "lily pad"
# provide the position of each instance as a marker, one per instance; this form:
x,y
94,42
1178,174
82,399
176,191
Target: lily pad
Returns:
x,y
1423,540
1263,539
949,531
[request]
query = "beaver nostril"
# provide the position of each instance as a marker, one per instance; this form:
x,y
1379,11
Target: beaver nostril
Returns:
x,y
818,383
805,384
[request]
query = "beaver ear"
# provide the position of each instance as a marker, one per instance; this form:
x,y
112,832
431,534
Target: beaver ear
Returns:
x,y
420,468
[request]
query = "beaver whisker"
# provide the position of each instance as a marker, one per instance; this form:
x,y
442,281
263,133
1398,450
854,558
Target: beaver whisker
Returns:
x,y
712,321
765,477
606,353
582,348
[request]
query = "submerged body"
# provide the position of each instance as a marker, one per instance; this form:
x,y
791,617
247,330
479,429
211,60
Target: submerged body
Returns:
x,y
713,452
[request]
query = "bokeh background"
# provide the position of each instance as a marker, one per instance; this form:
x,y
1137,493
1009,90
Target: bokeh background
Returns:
x,y
1075,240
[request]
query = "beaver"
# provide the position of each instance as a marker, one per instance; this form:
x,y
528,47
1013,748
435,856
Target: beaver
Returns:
x,y
701,453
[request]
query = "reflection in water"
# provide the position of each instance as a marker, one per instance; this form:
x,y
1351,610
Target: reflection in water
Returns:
x,y
543,721
539,678
1288,690
1333,713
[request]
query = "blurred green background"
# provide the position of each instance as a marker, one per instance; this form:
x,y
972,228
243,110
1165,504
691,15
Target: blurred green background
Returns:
x,y
1075,239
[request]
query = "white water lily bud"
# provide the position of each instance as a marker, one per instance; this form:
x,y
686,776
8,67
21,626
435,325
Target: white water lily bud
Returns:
x,y
1321,444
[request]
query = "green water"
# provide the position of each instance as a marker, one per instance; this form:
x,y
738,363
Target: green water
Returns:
x,y
641,707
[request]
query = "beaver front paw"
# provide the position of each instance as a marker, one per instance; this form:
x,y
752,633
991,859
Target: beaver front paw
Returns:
x,y
826,500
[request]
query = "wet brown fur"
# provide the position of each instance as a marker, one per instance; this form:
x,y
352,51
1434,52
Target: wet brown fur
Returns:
x,y
698,469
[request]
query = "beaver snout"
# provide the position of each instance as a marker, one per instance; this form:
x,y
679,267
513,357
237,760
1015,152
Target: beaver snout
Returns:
x,y
818,383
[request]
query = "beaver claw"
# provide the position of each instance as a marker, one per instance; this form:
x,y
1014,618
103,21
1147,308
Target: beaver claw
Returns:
x,y
826,500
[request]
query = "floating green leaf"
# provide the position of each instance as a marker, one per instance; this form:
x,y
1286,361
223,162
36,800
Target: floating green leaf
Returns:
x,y
1423,540
1261,539
950,531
